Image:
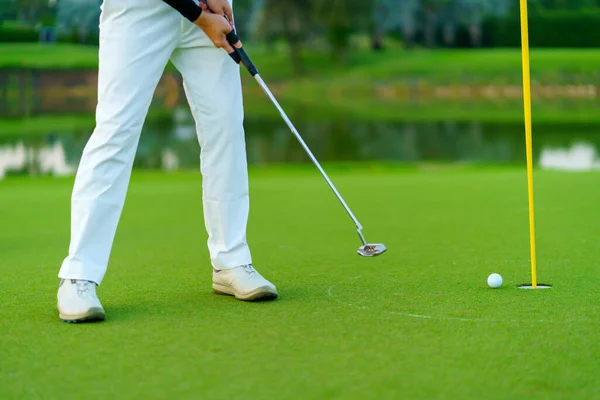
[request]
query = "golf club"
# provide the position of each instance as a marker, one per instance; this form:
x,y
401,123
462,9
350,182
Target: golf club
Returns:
x,y
240,56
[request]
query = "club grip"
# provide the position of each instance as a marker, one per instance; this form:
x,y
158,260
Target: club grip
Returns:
x,y
240,54
235,57
232,37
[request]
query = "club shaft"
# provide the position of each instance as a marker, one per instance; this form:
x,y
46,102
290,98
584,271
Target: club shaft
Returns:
x,y
362,238
265,88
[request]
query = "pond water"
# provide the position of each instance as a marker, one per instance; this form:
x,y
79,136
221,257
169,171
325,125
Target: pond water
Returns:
x,y
172,145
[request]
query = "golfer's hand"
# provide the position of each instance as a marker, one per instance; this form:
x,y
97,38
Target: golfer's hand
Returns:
x,y
220,7
216,28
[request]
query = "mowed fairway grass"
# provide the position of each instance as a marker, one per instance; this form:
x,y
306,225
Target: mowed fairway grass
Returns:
x,y
417,322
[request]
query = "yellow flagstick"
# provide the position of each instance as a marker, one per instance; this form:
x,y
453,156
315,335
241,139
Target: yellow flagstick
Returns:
x,y
528,140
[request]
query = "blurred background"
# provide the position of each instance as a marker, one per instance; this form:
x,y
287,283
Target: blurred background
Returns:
x,y
377,81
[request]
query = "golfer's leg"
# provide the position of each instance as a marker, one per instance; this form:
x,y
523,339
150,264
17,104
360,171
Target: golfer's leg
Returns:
x,y
136,42
213,88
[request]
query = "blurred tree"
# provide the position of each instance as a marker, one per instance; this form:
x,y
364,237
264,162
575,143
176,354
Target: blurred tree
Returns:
x,y
8,10
255,9
341,18
290,19
409,17
243,13
386,17
381,11
565,4
30,10
48,22
470,13
78,18
430,11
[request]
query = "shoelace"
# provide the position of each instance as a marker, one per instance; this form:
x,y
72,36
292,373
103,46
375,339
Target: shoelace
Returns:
x,y
249,269
82,287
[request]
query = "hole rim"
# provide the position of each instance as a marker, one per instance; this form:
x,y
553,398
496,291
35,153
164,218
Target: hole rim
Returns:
x,y
529,286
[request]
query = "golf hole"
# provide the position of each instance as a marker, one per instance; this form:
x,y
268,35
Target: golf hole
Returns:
x,y
539,286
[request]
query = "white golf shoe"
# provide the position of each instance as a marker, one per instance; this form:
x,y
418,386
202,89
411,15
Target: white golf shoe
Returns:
x,y
244,282
78,302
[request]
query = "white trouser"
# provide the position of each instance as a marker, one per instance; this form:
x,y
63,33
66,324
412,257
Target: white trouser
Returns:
x,y
137,39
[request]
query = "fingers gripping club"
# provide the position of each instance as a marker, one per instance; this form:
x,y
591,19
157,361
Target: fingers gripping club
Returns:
x,y
240,55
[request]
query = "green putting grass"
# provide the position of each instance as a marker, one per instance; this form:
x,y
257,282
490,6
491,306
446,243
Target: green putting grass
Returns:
x,y
417,322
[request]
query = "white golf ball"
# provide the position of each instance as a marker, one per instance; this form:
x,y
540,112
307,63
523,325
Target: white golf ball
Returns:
x,y
495,281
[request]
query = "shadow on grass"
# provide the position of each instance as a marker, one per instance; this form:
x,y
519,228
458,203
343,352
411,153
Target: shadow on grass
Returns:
x,y
192,304
176,303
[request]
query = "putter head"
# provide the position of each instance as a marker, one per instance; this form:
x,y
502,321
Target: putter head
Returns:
x,y
372,250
